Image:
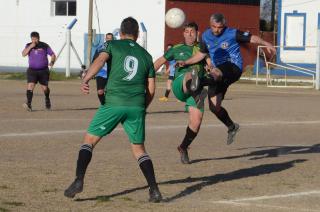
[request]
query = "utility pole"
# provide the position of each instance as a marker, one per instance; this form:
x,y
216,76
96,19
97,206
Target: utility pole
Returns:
x,y
88,62
273,11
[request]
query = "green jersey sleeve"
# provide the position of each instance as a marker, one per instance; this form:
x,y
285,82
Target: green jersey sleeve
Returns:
x,y
169,55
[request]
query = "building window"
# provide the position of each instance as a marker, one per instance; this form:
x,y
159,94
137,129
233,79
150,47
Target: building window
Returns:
x,y
294,31
64,7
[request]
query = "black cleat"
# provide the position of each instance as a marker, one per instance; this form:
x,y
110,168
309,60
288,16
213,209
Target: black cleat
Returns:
x,y
48,104
184,157
74,188
232,133
194,80
27,107
155,195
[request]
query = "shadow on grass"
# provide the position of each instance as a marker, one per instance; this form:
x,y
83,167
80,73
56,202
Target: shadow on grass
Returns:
x,y
268,152
202,182
276,151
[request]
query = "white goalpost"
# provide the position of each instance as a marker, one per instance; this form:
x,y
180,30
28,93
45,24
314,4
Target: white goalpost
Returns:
x,y
285,79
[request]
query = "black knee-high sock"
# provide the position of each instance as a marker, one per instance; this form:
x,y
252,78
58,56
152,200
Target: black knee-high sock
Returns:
x,y
101,98
188,138
84,159
146,167
29,95
47,93
223,116
166,94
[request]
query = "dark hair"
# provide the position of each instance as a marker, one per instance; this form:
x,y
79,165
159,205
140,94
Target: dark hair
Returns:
x,y
109,33
34,35
129,26
191,25
169,44
218,18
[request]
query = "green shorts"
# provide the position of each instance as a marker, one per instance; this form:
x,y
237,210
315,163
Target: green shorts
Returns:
x,y
177,89
131,118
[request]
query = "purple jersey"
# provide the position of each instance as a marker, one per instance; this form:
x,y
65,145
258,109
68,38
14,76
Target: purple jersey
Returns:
x,y
38,56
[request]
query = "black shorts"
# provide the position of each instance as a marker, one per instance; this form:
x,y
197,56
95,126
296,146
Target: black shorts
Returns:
x,y
101,82
230,74
41,76
171,77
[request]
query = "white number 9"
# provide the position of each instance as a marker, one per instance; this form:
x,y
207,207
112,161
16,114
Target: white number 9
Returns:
x,y
131,67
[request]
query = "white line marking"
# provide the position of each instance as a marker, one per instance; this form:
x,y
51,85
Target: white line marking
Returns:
x,y
166,127
242,201
42,133
272,196
265,206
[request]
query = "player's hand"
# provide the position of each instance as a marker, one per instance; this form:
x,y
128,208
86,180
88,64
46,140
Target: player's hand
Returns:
x,y
32,45
271,50
180,63
85,88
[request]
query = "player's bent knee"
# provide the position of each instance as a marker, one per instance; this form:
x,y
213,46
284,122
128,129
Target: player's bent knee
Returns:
x,y
138,150
91,139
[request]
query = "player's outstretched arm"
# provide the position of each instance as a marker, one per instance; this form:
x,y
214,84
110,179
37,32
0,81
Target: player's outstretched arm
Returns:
x,y
159,62
257,40
151,87
192,60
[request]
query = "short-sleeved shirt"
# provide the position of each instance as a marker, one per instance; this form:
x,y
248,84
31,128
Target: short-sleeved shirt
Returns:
x,y
224,47
130,66
38,59
184,52
103,72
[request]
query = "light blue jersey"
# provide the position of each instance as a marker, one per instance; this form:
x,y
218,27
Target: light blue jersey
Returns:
x,y
103,72
172,68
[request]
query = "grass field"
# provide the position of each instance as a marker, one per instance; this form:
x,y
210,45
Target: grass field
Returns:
x,y
272,166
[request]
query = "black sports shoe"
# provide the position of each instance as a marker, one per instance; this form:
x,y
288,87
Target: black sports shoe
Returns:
x,y
74,188
194,79
232,133
184,157
155,195
48,104
200,97
27,107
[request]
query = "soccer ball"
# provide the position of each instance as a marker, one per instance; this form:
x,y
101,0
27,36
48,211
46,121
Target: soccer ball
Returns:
x,y
175,17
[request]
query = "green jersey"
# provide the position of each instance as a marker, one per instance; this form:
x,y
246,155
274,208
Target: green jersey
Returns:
x,y
184,52
130,67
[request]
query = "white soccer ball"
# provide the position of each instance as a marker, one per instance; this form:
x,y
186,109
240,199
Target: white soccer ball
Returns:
x,y
175,18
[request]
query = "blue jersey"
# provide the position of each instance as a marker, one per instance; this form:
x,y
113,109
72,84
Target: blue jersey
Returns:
x,y
224,47
171,67
103,72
